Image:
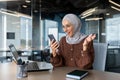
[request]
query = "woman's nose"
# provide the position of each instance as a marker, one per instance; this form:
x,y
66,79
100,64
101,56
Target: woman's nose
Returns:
x,y
65,30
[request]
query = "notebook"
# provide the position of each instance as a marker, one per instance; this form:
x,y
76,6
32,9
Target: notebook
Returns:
x,y
77,74
32,65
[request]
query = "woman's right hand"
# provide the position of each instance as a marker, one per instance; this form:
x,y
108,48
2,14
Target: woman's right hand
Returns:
x,y
54,46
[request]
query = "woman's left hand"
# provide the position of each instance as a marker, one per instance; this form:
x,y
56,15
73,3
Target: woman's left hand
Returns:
x,y
88,40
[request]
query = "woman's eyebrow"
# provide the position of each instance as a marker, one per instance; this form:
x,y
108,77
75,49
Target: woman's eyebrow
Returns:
x,y
63,26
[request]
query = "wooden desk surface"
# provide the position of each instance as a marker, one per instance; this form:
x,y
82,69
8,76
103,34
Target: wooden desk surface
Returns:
x,y
8,72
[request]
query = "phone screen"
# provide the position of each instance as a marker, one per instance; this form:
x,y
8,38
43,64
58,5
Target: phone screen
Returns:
x,y
51,37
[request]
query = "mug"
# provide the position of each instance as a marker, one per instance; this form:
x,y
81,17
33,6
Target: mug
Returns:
x,y
21,71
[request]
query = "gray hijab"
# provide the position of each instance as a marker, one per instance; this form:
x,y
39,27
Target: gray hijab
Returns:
x,y
77,36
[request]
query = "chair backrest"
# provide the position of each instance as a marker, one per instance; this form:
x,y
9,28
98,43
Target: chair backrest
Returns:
x,y
100,56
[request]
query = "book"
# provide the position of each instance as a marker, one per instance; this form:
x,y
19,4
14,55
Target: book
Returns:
x,y
77,74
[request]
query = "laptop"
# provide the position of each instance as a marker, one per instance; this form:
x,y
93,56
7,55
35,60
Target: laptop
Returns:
x,y
32,65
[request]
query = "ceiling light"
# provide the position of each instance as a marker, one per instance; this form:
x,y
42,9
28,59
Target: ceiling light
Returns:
x,y
88,12
9,12
107,14
35,11
86,15
115,8
27,1
93,19
24,6
114,3
13,13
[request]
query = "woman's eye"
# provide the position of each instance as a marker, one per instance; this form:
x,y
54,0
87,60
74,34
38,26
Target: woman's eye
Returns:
x,y
67,25
63,26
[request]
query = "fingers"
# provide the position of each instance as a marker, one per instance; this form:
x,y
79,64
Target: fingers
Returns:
x,y
85,43
93,36
54,46
89,39
51,42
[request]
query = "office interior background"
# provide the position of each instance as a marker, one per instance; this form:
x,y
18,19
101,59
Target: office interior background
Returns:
x,y
26,24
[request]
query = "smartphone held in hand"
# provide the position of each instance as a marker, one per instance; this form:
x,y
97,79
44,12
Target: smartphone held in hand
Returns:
x,y
51,37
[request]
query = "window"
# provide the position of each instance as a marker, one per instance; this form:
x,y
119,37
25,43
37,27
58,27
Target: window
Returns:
x,y
113,31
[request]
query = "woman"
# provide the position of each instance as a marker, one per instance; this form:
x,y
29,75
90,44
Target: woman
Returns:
x,y
75,49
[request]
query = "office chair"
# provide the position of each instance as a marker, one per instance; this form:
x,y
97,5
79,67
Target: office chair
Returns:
x,y
100,50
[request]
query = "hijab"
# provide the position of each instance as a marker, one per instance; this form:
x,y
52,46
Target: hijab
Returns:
x,y
77,35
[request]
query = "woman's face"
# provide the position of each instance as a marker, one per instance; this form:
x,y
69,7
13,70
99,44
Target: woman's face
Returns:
x,y
68,28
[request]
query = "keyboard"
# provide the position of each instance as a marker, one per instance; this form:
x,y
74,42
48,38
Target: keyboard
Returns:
x,y
38,66
32,66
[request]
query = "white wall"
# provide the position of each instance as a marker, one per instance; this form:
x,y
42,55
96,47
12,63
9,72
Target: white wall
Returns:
x,y
13,25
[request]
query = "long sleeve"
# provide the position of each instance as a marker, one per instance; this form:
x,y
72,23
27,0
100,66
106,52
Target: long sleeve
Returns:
x,y
85,60
58,59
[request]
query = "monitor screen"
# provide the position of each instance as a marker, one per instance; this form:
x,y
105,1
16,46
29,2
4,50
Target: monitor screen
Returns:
x,y
10,35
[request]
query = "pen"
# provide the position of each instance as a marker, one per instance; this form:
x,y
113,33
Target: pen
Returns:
x,y
19,61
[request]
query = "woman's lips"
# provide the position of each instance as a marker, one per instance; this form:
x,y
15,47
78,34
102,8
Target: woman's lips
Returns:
x,y
68,33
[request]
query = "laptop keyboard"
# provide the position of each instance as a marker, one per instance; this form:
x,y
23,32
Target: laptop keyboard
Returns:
x,y
38,66
32,66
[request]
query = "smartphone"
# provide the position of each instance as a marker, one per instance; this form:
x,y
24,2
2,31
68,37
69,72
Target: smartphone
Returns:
x,y
51,37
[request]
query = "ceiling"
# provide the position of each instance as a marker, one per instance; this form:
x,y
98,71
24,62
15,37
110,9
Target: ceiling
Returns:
x,y
51,7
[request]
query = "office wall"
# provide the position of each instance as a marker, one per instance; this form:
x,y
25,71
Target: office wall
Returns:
x,y
15,30
9,24
13,25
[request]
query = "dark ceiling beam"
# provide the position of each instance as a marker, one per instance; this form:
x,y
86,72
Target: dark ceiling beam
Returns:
x,y
51,7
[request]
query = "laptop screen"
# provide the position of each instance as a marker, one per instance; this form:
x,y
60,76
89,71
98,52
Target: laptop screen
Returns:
x,y
14,52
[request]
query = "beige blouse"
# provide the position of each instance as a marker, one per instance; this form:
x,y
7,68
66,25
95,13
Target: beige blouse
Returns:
x,y
73,55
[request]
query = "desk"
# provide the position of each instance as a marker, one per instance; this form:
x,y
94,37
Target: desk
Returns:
x,y
8,72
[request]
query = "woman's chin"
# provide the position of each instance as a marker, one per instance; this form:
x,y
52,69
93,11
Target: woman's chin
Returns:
x,y
70,36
